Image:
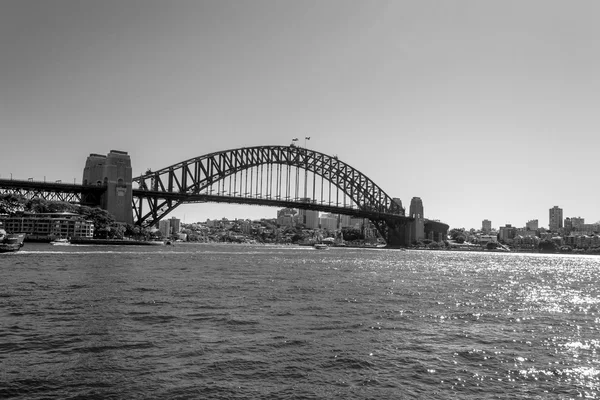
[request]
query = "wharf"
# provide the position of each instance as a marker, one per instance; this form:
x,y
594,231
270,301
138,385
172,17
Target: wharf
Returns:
x,y
116,242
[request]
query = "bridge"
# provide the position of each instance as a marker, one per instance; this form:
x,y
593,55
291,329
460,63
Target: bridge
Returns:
x,y
280,176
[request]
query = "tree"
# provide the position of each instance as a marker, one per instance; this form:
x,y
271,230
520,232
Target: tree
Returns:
x,y
11,203
547,246
351,234
455,232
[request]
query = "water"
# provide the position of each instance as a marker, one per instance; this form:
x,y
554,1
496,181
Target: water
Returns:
x,y
260,322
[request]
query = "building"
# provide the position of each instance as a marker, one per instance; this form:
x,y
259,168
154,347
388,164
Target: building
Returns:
x,y
485,239
568,225
112,171
577,223
532,225
310,218
48,226
507,233
329,222
175,225
164,226
345,221
285,217
357,223
556,219
486,226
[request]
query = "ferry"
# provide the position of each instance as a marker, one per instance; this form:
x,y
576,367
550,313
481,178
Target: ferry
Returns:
x,y
9,243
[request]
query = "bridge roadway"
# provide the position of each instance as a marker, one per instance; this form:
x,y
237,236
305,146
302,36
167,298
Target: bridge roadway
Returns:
x,y
273,202
56,191
72,192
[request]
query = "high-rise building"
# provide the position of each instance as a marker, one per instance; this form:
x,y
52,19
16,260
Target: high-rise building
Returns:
x,y
556,219
175,225
309,218
532,225
486,226
164,226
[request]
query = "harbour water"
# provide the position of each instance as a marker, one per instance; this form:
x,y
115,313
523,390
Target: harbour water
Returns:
x,y
283,322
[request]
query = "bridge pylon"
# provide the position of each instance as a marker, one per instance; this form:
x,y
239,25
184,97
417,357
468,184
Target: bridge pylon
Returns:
x,y
113,172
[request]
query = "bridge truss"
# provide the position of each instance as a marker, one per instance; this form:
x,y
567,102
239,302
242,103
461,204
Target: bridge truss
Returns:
x,y
287,176
52,191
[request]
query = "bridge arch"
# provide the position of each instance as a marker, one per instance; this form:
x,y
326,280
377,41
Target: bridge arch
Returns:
x,y
272,169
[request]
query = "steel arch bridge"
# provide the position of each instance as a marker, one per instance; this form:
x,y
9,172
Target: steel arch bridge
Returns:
x,y
288,176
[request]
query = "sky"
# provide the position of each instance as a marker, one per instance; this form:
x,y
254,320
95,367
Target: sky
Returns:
x,y
484,109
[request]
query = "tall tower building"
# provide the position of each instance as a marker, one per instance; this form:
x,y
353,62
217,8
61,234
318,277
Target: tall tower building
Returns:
x,y
175,225
309,218
112,171
486,226
556,219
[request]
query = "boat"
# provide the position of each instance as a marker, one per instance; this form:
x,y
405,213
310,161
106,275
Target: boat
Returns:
x,y
320,246
9,243
60,242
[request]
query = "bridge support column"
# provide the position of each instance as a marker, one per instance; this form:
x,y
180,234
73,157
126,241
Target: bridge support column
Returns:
x,y
398,233
112,171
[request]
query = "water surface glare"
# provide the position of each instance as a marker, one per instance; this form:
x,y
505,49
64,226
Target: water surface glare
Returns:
x,y
283,322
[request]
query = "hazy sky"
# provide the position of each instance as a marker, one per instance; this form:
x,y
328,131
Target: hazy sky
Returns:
x,y
484,109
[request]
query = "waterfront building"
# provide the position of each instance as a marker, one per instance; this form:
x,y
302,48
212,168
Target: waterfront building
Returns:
x,y
47,226
485,239
532,225
530,243
556,219
486,226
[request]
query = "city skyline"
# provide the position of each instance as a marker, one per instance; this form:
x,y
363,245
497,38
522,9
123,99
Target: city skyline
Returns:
x,y
476,108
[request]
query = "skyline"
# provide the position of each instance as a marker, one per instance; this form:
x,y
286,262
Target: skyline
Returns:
x,y
483,110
